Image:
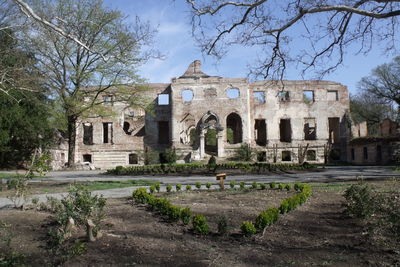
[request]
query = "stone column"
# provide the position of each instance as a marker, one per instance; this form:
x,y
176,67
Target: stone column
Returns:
x,y
202,144
220,145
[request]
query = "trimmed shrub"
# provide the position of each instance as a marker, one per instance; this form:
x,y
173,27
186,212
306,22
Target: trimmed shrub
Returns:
x,y
272,185
241,185
248,229
186,213
263,186
198,185
152,189
168,188
208,185
178,187
281,186
222,225
232,184
174,213
158,187
298,187
200,224
188,187
254,185
266,218
287,187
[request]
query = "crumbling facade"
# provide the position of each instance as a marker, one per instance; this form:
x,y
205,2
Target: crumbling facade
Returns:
x,y
199,115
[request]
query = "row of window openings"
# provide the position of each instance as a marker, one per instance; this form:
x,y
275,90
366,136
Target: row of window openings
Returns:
x,y
132,158
259,96
88,133
234,131
365,153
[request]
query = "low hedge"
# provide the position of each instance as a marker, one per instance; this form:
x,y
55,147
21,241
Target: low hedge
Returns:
x,y
162,205
188,168
271,215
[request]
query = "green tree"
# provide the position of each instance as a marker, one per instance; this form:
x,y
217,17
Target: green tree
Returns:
x,y
24,109
79,76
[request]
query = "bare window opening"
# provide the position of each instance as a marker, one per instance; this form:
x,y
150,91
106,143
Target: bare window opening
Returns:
x,y
87,158
163,132
365,150
233,93
62,157
333,95
285,130
378,153
107,132
283,96
234,123
333,130
187,95
286,156
163,99
352,154
133,158
310,129
260,128
87,134
141,132
259,96
126,127
311,155
108,100
308,96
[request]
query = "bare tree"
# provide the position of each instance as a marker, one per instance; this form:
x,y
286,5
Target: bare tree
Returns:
x,y
312,34
79,75
384,83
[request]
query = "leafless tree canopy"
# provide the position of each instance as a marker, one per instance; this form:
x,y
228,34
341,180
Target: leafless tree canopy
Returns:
x,y
312,34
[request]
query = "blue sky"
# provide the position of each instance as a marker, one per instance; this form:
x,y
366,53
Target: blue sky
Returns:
x,y
174,40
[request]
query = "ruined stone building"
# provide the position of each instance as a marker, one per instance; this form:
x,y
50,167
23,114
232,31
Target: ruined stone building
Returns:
x,y
375,150
199,115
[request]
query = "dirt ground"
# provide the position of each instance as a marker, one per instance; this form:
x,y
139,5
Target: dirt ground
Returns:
x,y
315,234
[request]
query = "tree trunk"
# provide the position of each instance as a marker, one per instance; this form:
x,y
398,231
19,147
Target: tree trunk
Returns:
x,y
71,120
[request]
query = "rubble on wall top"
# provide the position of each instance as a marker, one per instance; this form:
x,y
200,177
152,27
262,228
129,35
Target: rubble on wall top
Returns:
x,y
194,71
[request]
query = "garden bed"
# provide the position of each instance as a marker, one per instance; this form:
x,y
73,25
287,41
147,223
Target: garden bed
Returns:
x,y
315,234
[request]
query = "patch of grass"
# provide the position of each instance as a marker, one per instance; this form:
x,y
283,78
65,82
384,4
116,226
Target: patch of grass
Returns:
x,y
4,175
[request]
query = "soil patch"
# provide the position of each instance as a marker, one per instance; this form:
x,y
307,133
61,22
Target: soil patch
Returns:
x,y
315,234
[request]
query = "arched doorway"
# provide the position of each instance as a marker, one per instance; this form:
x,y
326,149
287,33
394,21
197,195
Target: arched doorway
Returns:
x,y
234,132
210,135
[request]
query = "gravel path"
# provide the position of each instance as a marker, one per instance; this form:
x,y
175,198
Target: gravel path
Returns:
x,y
331,173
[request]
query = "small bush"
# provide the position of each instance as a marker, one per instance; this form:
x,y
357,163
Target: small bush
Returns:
x,y
281,186
200,224
232,184
241,185
198,185
222,225
298,187
360,200
157,186
244,153
254,185
168,188
266,218
248,229
152,189
178,187
208,185
188,187
287,187
263,186
272,185
186,213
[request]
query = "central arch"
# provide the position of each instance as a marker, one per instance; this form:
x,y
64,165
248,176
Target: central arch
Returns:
x,y
211,135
